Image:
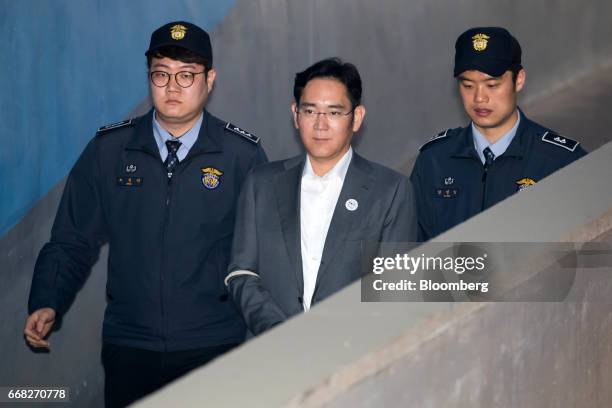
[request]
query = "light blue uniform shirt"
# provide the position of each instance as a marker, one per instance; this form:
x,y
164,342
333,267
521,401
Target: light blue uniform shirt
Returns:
x,y
498,148
187,139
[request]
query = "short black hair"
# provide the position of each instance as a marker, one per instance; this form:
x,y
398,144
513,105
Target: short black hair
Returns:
x,y
333,68
515,71
179,54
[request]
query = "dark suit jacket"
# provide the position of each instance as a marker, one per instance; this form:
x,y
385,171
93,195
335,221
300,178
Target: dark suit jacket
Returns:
x,y
265,274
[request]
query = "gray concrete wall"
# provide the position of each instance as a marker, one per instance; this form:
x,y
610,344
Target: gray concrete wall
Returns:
x,y
542,355
346,353
74,358
404,50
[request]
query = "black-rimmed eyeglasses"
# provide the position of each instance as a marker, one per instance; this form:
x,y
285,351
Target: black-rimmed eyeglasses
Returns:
x,y
184,79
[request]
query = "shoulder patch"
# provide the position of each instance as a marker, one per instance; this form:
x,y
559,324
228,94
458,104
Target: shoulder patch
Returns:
x,y
564,142
249,136
117,125
440,135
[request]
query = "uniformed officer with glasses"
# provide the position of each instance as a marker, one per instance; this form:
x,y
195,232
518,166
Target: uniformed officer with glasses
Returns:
x,y
161,190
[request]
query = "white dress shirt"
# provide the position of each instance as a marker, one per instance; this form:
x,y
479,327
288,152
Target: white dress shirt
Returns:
x,y
318,199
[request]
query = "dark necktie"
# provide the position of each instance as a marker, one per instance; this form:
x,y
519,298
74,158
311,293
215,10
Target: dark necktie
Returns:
x,y
489,157
172,160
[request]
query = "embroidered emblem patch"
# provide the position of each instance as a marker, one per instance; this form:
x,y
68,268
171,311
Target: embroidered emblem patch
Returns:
x,y
117,125
480,42
247,135
211,177
177,32
564,142
524,183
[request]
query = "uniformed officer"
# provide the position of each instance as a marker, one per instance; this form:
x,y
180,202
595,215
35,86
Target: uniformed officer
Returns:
x,y
161,189
464,171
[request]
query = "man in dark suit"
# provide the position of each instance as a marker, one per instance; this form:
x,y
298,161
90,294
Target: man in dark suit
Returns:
x,y
301,223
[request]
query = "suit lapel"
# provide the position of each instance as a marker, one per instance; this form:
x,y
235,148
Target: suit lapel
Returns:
x,y
287,188
357,183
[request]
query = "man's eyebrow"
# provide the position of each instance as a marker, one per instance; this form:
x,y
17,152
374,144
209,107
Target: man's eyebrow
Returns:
x,y
162,65
462,78
333,105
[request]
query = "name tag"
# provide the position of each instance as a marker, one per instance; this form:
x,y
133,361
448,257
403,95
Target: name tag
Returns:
x,y
129,181
447,192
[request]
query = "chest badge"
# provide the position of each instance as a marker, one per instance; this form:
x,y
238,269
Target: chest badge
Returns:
x,y
351,204
448,190
525,183
130,168
211,177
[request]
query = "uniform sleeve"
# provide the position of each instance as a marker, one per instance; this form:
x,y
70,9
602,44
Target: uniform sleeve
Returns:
x,y
255,303
77,234
423,210
401,223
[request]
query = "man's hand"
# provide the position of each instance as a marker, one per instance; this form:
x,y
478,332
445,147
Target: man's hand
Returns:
x,y
38,325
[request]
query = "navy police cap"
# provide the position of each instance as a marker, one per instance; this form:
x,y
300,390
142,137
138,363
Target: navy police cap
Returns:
x,y
492,50
184,35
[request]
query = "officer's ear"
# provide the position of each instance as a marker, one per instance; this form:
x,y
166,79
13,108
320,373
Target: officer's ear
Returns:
x,y
358,116
210,78
520,80
295,113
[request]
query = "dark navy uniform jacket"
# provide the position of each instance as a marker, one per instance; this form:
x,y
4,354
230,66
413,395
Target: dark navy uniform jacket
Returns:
x,y
451,183
169,239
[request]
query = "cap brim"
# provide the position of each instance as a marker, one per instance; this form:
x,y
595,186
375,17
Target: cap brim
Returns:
x,y
495,68
173,44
